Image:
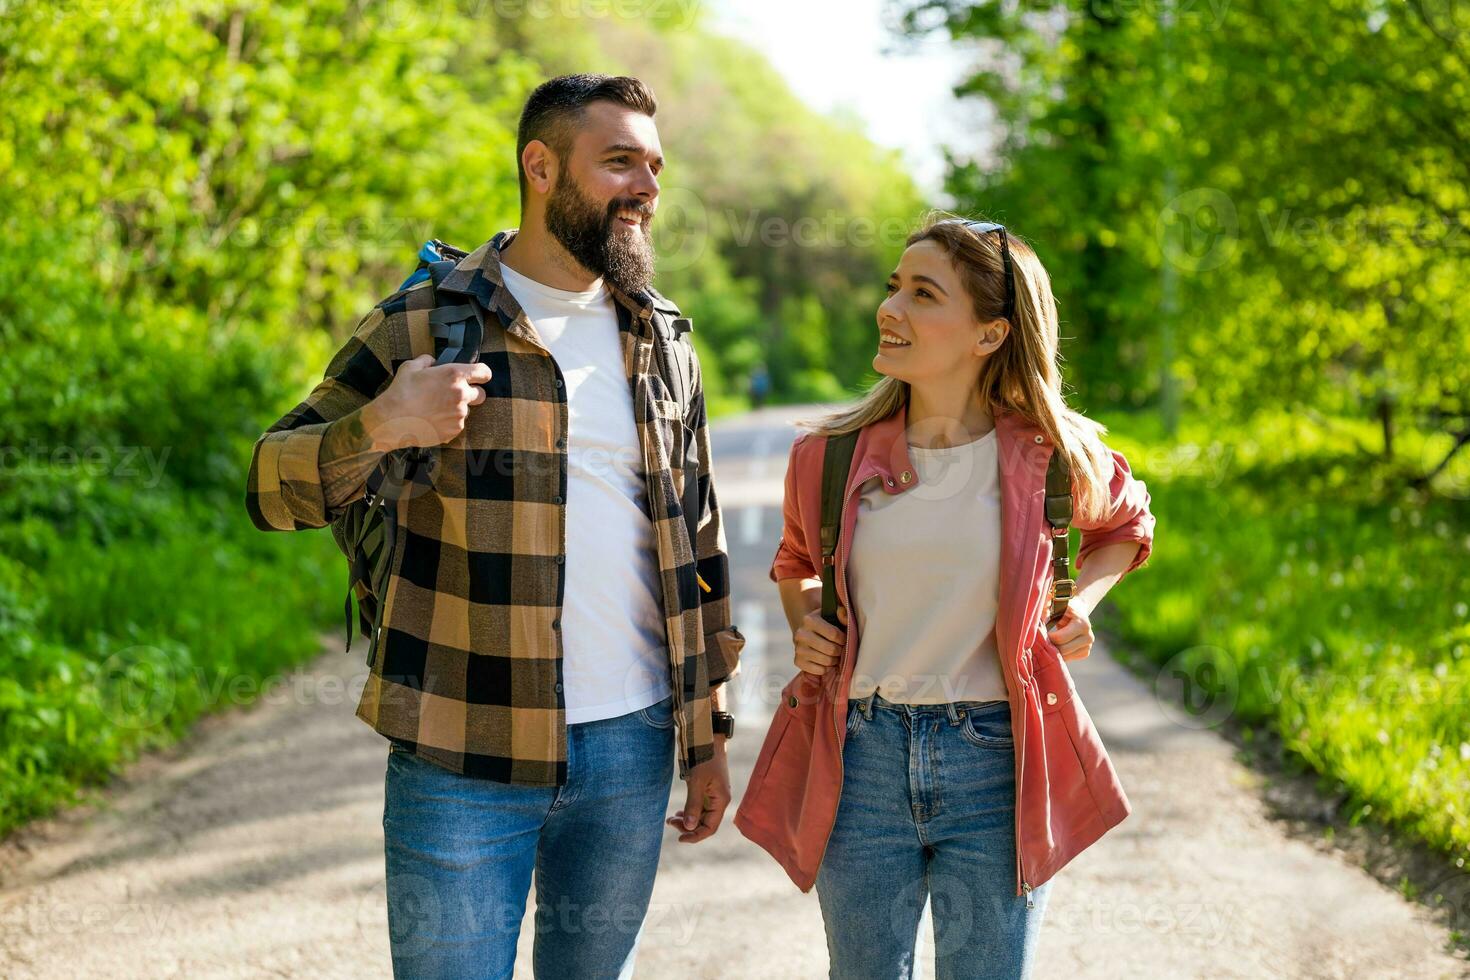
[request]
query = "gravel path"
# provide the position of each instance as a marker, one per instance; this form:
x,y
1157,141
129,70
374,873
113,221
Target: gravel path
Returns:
x,y
255,848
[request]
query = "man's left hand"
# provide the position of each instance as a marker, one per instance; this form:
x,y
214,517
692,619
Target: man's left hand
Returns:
x,y
708,796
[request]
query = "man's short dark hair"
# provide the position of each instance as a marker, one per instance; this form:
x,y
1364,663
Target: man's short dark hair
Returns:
x,y
555,107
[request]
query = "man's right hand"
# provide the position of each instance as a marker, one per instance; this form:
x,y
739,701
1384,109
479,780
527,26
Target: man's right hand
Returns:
x,y
818,642
426,404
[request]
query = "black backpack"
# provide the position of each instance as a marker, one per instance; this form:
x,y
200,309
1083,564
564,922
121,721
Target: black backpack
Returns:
x,y
836,465
366,531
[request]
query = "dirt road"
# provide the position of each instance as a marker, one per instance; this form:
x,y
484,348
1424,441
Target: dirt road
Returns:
x,y
255,849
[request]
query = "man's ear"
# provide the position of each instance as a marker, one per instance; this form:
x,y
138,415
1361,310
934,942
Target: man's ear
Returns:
x,y
540,166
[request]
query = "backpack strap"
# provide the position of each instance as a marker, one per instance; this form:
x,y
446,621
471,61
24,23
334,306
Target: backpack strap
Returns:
x,y
1059,516
836,466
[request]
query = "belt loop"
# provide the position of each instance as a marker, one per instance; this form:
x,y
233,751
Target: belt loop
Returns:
x,y
953,712
866,705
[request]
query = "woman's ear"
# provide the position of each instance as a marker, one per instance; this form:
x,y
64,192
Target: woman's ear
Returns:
x,y
992,335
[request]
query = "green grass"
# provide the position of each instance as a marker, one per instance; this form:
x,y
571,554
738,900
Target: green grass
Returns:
x,y
1295,581
126,615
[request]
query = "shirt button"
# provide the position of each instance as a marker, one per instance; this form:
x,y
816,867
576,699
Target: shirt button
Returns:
x,y
556,500
561,559
558,687
561,443
556,624
558,382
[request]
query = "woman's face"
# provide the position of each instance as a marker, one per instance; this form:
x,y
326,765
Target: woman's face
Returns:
x,y
929,311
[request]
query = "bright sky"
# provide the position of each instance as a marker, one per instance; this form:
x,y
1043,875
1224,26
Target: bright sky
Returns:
x,y
838,54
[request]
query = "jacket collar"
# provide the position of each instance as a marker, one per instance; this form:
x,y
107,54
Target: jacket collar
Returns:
x,y
883,449
478,275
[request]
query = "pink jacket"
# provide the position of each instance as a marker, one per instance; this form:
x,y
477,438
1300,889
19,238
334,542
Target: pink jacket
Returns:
x,y
1068,794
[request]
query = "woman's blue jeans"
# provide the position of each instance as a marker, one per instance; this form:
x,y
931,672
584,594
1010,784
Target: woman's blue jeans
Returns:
x,y
927,814
460,852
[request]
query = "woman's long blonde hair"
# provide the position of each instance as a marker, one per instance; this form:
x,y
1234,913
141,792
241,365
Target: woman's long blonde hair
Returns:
x,y
1022,375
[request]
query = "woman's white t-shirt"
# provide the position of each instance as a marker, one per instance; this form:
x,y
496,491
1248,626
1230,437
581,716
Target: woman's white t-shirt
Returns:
x,y
925,580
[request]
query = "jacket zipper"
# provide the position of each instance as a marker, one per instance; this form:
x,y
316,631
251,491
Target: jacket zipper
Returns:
x,y
1020,869
1025,886
1020,781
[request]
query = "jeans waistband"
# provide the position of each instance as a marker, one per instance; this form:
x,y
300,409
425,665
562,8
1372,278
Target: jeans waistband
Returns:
x,y
953,710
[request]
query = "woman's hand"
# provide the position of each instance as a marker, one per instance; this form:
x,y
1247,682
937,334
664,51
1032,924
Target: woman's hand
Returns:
x,y
1073,632
818,642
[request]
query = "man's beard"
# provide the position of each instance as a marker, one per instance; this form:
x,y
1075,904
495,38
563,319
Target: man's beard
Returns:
x,y
624,259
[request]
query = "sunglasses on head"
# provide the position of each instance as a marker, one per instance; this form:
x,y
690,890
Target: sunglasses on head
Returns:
x,y
983,227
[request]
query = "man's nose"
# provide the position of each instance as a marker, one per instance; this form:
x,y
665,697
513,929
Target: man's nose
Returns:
x,y
645,186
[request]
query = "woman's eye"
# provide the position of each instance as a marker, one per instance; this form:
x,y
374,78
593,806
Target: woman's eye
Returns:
x,y
924,292
889,288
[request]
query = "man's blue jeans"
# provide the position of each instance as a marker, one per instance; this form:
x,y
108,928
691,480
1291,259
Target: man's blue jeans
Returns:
x,y
460,852
928,812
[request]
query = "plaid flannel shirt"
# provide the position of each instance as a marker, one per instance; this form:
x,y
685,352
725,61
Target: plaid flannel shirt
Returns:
x,y
468,672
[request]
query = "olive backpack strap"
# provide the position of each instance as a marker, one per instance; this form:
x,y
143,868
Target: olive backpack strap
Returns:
x,y
836,464
1059,516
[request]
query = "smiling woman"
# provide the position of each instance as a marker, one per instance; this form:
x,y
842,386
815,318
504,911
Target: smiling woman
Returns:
x,y
948,582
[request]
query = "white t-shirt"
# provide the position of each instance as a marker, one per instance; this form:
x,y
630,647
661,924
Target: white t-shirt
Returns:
x,y
925,579
613,634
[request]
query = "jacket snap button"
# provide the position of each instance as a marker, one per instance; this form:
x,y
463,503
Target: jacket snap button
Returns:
x,y
890,481
792,700
906,476
1051,697
1038,440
